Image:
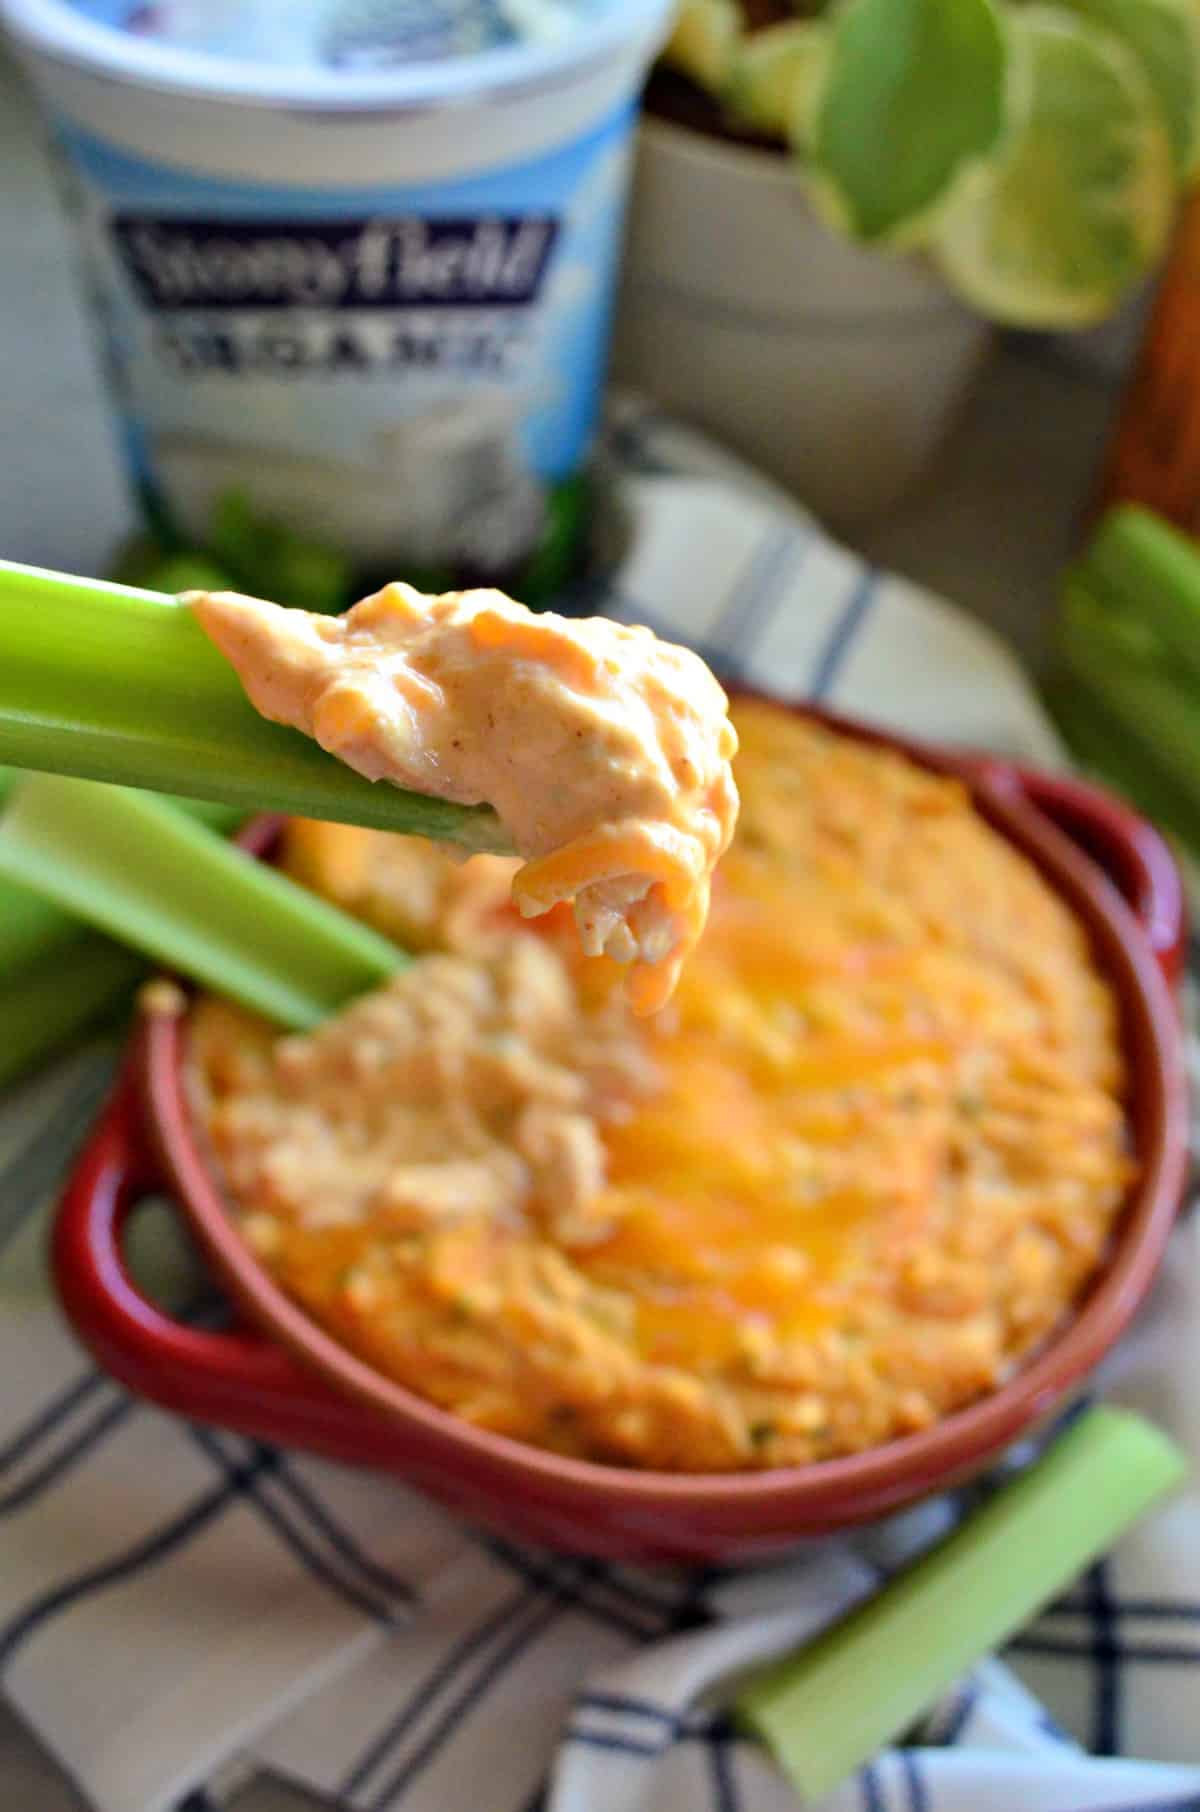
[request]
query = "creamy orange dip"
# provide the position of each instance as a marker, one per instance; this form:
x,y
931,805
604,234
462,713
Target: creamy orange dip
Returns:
x,y
859,1167
604,750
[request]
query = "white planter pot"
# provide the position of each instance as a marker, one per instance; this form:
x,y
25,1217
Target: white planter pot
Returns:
x,y
835,369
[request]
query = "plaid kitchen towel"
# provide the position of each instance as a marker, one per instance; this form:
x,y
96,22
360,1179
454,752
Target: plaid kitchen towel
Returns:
x,y
179,1605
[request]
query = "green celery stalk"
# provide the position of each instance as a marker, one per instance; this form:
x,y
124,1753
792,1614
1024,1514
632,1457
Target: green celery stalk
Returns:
x,y
1150,572
55,977
222,818
155,878
32,927
829,1709
1120,760
107,683
52,999
1143,698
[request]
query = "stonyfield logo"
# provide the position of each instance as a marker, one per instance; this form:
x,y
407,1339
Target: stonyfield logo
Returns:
x,y
405,262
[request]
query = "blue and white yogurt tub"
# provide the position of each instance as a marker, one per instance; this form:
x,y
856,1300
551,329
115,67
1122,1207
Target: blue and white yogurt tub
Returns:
x,y
353,262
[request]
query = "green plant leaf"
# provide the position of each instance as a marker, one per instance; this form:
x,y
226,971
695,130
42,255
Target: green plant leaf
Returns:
x,y
1164,36
914,94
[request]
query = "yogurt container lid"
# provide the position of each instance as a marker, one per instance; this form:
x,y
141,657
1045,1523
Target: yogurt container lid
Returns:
x,y
560,38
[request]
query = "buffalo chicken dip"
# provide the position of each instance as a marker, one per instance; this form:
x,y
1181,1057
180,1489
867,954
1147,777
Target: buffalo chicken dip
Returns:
x,y
858,1167
604,750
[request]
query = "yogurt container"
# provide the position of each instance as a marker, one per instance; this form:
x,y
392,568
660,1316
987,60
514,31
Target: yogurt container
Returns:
x,y
352,264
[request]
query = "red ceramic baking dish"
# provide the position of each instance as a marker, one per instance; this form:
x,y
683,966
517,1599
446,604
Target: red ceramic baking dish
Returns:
x,y
278,1376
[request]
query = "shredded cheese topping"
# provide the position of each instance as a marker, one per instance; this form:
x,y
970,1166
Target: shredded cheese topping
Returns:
x,y
858,1169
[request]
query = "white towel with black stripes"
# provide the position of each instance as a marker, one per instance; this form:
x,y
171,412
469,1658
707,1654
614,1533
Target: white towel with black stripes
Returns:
x,y
180,1606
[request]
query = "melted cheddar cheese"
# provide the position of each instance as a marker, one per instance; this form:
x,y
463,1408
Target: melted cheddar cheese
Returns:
x,y
604,750
859,1166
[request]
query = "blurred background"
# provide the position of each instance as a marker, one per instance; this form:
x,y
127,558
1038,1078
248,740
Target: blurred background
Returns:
x,y
983,497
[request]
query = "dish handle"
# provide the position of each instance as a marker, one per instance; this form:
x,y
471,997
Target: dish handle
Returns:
x,y
1136,858
229,1377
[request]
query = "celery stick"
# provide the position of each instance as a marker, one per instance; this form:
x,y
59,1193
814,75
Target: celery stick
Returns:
x,y
55,977
51,1000
1143,699
107,683
1143,567
133,866
223,818
31,926
1120,760
826,1711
